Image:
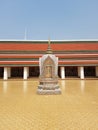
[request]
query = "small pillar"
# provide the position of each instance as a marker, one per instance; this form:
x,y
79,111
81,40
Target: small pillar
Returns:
x,y
81,72
96,71
25,73
5,75
62,72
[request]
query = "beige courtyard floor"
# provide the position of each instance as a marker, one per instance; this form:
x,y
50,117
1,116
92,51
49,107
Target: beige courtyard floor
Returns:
x,y
75,109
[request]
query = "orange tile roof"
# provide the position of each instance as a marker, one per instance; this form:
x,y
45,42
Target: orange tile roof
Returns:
x,y
43,47
64,59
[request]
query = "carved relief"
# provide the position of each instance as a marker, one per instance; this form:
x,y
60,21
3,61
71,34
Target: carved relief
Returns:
x,y
48,68
48,71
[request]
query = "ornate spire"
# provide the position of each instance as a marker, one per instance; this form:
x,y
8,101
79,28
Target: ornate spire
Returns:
x,y
49,50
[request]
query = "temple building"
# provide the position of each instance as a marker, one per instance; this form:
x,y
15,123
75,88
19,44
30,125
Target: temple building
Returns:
x,y
20,58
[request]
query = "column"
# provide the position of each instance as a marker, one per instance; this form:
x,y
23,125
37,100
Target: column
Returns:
x,y
9,72
96,71
25,73
62,72
81,72
5,75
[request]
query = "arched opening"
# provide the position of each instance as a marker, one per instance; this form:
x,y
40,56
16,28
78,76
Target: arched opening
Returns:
x,y
71,71
89,71
34,71
17,72
1,72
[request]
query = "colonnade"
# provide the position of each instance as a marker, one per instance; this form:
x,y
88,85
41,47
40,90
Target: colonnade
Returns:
x,y
81,75
80,72
7,73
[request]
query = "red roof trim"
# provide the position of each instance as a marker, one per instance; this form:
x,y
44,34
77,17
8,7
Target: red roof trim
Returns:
x,y
40,55
60,62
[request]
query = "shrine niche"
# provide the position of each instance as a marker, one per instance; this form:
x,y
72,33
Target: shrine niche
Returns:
x,y
48,68
48,79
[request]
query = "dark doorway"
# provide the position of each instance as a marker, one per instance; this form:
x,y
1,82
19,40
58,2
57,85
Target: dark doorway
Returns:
x,y
34,71
89,71
1,72
59,75
71,71
17,72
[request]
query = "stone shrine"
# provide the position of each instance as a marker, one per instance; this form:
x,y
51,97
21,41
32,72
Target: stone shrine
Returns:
x,y
48,80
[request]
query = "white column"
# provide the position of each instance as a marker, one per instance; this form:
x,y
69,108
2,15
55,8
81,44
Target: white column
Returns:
x,y
81,72
25,73
97,71
62,73
9,72
5,75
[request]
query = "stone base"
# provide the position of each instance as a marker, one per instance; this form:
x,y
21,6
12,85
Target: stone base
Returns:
x,y
48,90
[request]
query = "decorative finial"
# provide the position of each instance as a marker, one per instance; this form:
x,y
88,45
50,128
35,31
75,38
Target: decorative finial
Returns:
x,y
49,50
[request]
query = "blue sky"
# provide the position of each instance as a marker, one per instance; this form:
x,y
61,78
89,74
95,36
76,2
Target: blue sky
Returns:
x,y
57,19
